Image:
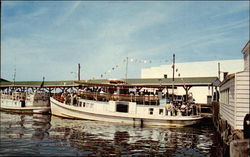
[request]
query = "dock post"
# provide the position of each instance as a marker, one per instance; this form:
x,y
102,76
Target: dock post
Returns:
x,y
141,123
239,148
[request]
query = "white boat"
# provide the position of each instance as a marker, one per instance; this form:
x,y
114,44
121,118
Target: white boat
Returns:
x,y
25,102
114,102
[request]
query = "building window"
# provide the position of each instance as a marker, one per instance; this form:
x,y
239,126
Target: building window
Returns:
x,y
225,96
160,111
151,111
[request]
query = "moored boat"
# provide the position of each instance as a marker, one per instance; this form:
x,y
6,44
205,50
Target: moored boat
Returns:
x,y
25,102
123,103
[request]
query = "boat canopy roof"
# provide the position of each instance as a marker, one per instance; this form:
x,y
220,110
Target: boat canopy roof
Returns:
x,y
84,83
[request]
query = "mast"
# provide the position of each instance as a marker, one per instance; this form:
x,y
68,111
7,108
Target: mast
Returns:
x,y
14,77
79,68
126,74
173,77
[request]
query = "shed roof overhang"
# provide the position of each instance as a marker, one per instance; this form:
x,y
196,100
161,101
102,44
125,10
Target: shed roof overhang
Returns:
x,y
228,77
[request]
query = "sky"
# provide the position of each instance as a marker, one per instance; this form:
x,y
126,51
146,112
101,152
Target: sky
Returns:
x,y
49,39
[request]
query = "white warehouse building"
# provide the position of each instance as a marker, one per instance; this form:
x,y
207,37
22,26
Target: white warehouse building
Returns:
x,y
195,69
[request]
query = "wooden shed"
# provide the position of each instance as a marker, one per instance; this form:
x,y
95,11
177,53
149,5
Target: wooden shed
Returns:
x,y
234,95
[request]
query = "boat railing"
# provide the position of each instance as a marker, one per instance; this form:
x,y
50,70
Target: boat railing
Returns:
x,y
13,95
141,99
183,110
97,96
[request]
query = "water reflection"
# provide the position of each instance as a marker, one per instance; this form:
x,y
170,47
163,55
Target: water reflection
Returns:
x,y
50,135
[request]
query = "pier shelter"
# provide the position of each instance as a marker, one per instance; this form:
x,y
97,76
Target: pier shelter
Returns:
x,y
48,86
161,83
234,91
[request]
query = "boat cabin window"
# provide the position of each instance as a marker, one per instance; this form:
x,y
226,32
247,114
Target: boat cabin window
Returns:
x,y
161,111
122,108
151,111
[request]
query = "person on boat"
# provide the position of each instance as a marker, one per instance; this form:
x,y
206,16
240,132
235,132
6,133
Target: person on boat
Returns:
x,y
169,109
178,111
173,110
183,109
115,96
101,92
189,109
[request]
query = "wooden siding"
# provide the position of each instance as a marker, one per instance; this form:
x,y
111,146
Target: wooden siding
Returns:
x,y
234,99
241,97
227,101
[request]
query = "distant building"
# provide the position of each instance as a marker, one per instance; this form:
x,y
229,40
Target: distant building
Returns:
x,y
234,94
195,69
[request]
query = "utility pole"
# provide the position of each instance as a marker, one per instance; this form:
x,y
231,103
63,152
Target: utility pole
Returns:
x,y
79,69
126,74
173,66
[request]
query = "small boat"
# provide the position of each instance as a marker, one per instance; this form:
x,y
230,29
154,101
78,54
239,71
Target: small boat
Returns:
x,y
25,102
119,102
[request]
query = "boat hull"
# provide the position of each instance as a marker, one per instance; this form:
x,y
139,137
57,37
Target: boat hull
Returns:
x,y
69,111
39,110
15,106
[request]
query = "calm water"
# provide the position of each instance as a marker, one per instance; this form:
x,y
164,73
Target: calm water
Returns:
x,y
42,135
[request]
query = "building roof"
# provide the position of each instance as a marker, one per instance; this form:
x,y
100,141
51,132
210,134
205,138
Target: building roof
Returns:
x,y
228,77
